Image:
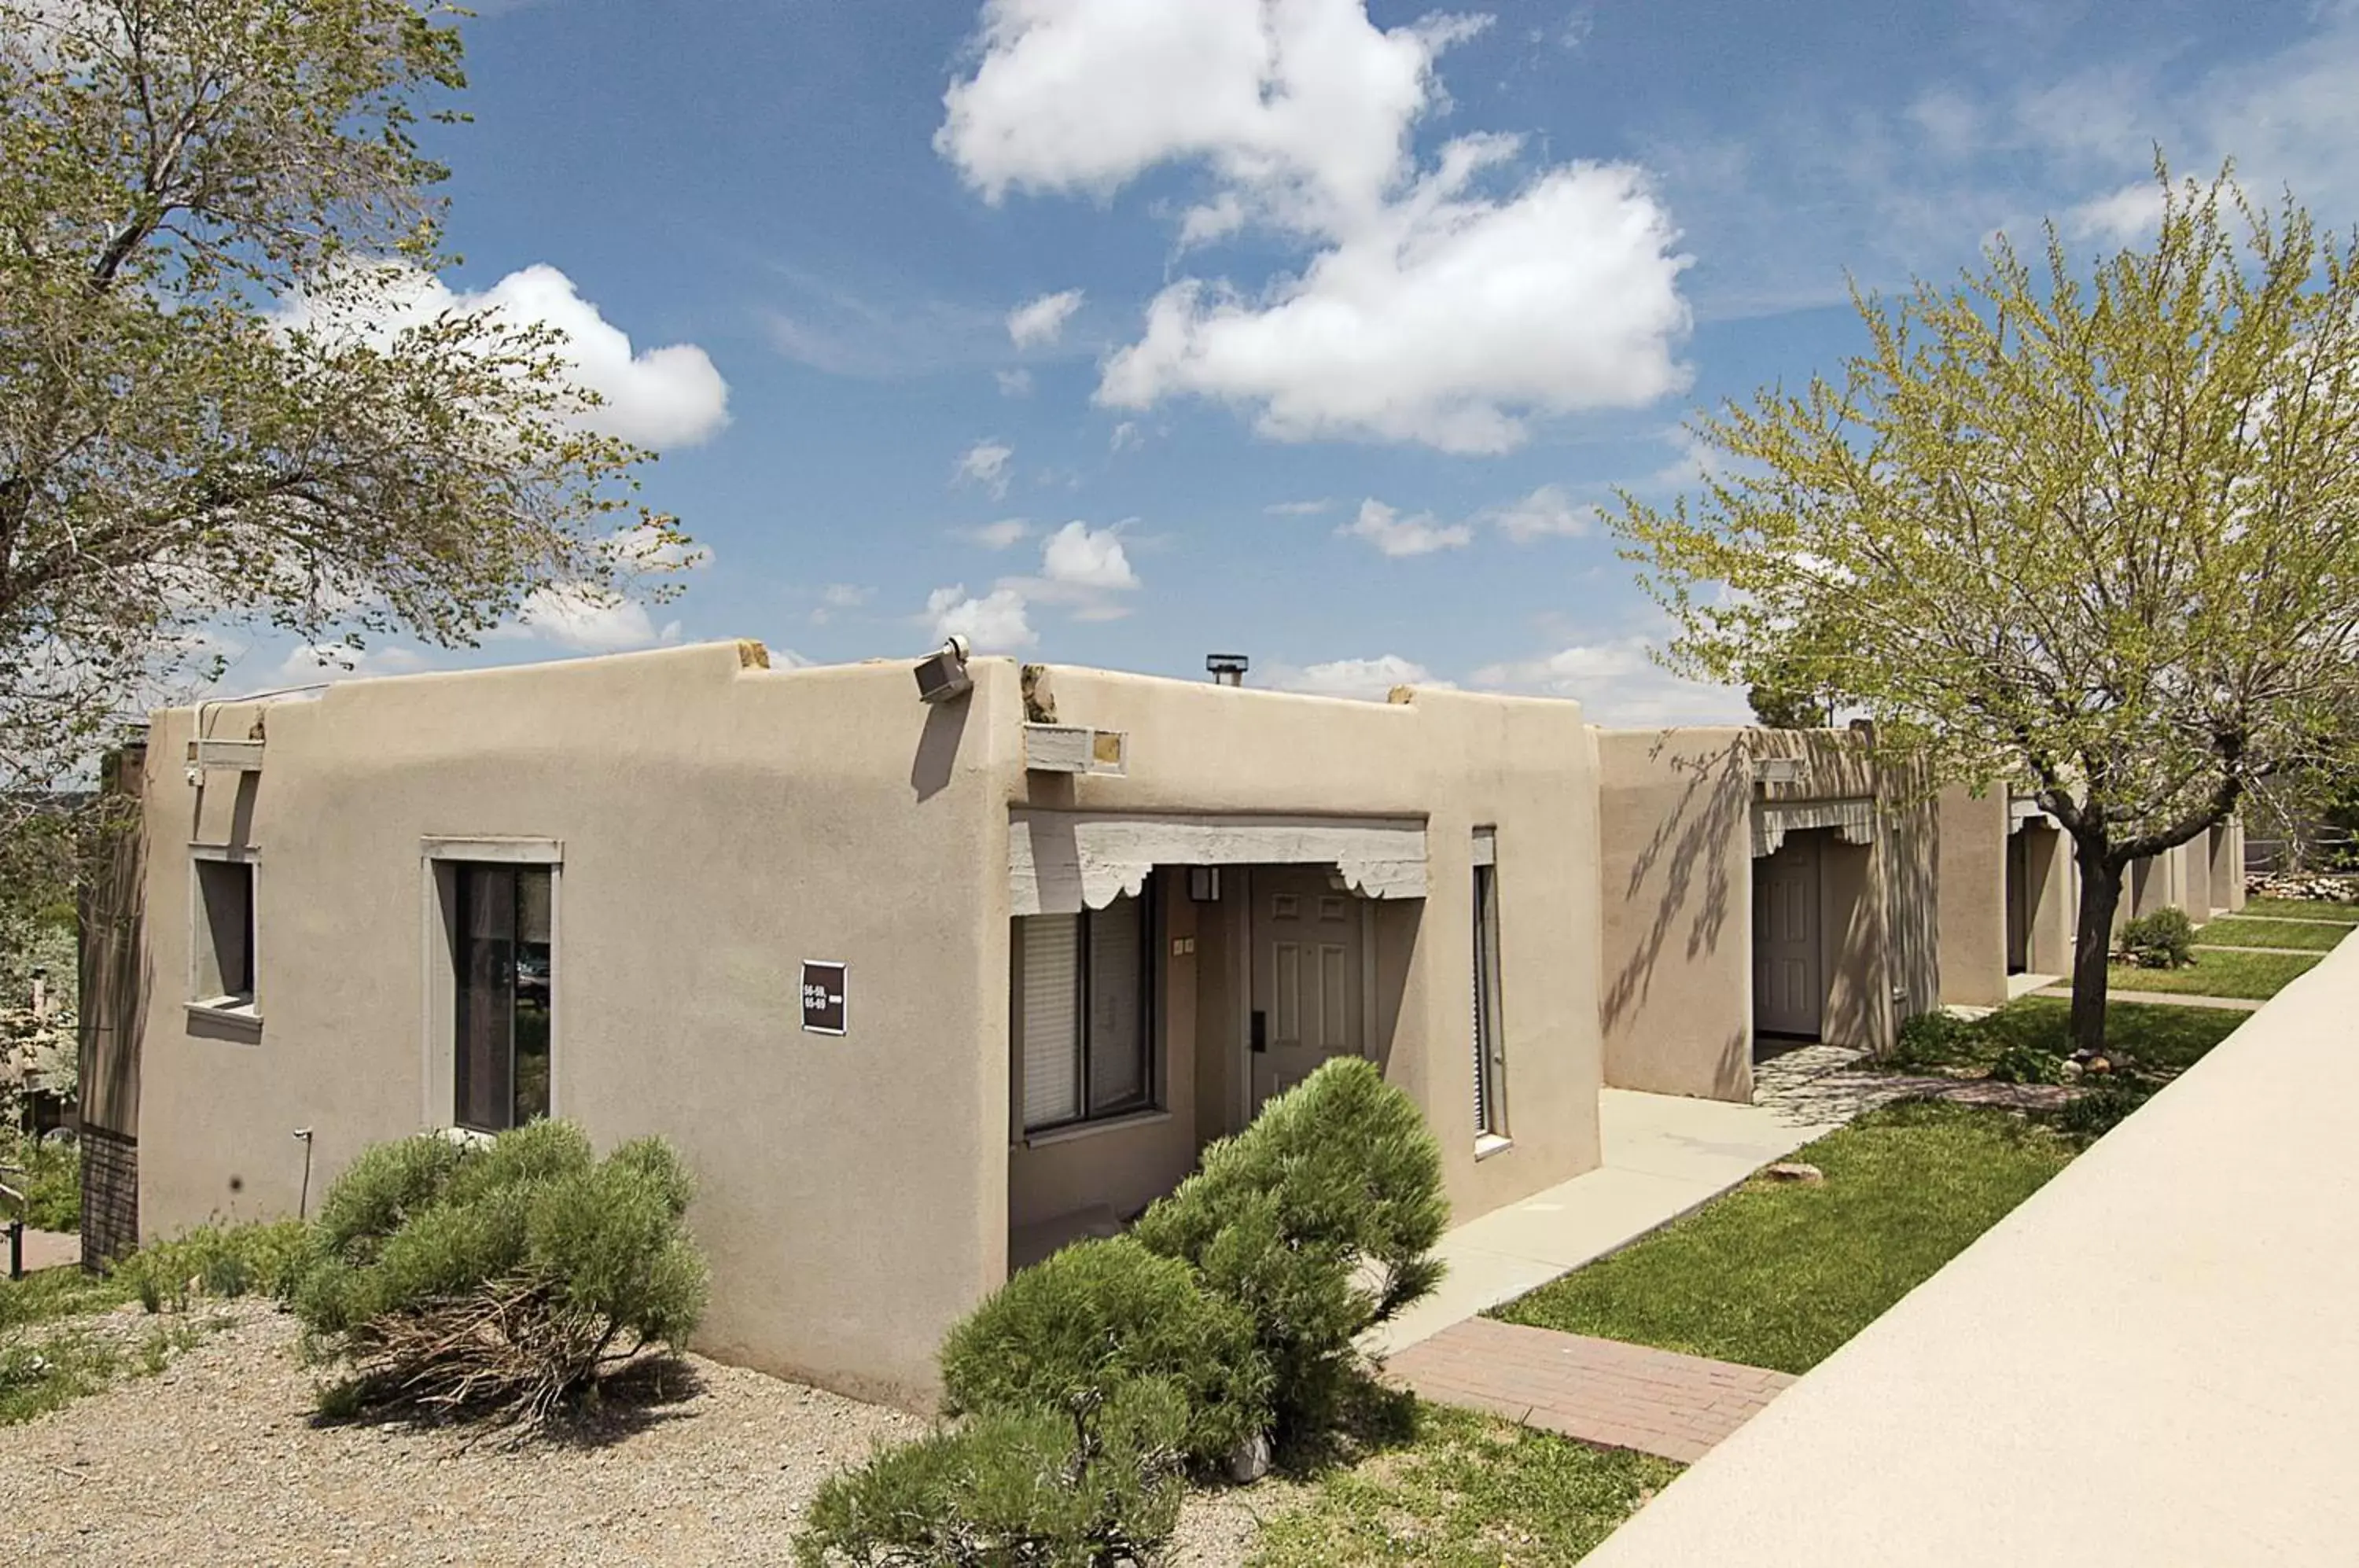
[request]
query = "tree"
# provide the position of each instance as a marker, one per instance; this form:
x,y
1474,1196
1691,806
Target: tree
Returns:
x,y
2091,530
224,396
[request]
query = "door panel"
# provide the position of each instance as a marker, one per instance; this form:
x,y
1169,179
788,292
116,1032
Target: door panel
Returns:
x,y
1788,991
1307,955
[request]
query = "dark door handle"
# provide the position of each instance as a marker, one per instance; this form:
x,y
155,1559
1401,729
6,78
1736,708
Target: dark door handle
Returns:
x,y
1260,1030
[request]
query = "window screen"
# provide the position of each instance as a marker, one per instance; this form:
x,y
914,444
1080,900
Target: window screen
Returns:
x,y
1084,1024
1050,952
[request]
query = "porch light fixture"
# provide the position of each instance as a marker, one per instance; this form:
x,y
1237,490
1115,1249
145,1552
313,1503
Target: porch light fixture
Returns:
x,y
942,676
1228,669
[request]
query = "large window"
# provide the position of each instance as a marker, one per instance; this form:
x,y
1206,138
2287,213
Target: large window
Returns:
x,y
1084,1013
223,945
504,974
1490,1047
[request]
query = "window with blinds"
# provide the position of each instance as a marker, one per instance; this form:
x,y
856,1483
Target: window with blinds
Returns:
x,y
1490,1049
1084,1013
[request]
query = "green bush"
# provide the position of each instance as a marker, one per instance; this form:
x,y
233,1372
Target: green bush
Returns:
x,y
1091,1486
1318,1220
2096,1111
220,1261
2163,940
2022,1064
1934,1039
504,1279
1099,1314
51,1179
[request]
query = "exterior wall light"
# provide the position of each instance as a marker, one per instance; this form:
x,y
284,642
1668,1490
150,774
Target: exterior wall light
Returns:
x,y
941,676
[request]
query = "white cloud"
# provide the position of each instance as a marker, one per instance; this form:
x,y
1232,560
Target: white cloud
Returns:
x,y
1368,677
1001,534
582,620
993,623
329,662
2126,214
644,548
1395,535
837,597
667,397
1014,382
984,463
1548,512
1084,557
1125,438
1618,683
1038,322
1297,509
1430,312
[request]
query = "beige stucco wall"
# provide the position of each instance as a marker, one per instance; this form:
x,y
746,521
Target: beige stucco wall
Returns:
x,y
720,821
720,824
1456,760
2055,898
1971,850
1675,899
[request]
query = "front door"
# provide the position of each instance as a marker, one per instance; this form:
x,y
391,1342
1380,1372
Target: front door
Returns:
x,y
2019,900
1307,955
1787,990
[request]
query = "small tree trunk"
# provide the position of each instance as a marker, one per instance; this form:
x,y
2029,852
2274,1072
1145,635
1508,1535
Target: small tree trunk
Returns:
x,y
2092,944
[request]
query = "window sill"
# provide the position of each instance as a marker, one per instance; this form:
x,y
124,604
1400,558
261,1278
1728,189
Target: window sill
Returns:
x,y
1090,1130
225,1018
1489,1144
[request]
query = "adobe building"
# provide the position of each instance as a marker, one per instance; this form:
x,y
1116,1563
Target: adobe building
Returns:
x,y
919,988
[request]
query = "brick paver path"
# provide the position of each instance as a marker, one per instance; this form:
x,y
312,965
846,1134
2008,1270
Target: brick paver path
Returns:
x,y
1598,1391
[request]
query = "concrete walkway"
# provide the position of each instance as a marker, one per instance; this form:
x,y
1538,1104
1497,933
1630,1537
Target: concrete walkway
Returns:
x,y
2164,998
2287,952
1601,1391
47,1249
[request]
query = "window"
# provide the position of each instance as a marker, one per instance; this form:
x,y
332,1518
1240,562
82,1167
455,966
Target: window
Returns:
x,y
502,957
223,947
1084,1013
1490,1048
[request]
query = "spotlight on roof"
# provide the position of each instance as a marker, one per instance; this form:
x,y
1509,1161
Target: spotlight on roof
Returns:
x,y
942,675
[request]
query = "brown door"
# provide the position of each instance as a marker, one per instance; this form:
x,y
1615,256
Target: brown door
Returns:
x,y
1307,956
1788,991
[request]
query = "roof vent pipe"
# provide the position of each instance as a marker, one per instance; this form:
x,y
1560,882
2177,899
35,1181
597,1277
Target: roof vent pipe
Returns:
x,y
1228,669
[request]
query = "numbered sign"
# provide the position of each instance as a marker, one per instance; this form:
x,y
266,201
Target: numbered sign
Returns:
x,y
823,997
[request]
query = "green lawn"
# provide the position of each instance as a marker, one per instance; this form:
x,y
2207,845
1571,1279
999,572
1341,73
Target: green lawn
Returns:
x,y
2255,975
1466,1491
2240,931
1779,1275
2315,908
2160,1040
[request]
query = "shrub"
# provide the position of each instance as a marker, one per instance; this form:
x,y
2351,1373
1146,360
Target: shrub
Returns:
x,y
1089,1486
1099,1314
1318,1220
220,1261
503,1281
2022,1064
2163,940
1934,1039
52,1180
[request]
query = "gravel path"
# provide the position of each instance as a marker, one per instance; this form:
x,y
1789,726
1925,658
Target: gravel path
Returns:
x,y
216,1461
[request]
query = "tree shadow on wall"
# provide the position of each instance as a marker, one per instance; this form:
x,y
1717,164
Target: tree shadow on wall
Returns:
x,y
1684,868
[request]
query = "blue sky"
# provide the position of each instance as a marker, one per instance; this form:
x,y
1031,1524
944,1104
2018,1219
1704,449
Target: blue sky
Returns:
x,y
1115,332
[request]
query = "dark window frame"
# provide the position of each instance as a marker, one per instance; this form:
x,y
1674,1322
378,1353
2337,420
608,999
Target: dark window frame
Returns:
x,y
1150,996
505,1096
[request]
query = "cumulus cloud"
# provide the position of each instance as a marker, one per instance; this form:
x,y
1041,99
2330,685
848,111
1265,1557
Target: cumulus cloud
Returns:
x,y
669,397
1040,322
1001,534
1395,535
1368,677
1084,557
995,623
1548,512
1125,438
984,463
1431,310
582,620
1617,682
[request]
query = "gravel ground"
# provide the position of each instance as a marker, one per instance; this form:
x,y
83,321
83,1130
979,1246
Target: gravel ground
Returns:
x,y
216,1461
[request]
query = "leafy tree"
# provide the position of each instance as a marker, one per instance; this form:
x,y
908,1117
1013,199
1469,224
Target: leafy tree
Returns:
x,y
224,394
2092,530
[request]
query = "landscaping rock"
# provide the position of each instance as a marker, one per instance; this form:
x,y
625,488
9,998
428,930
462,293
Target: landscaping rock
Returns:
x,y
1795,1170
1249,1461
